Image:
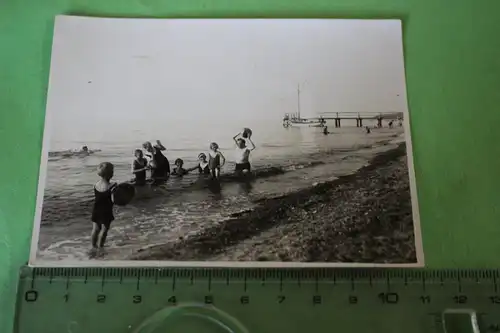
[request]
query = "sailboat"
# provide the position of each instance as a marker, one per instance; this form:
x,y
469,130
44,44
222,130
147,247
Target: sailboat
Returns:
x,y
294,119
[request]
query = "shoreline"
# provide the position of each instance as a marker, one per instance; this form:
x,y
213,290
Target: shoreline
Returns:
x,y
361,217
57,207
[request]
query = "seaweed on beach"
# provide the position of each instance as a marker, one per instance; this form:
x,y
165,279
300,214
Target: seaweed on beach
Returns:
x,y
362,217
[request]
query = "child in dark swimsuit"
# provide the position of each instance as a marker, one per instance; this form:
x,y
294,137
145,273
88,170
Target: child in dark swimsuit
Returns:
x,y
202,166
179,170
215,160
139,167
102,213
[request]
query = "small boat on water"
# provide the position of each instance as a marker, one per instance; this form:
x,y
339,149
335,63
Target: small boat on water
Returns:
x,y
300,122
294,119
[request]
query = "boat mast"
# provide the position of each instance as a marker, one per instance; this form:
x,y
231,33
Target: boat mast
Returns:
x,y
298,101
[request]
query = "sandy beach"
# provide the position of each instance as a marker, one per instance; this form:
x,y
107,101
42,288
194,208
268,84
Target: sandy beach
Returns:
x,y
364,217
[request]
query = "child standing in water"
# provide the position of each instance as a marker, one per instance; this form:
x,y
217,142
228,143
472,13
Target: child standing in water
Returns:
x,y
243,154
179,170
139,167
216,160
102,213
202,166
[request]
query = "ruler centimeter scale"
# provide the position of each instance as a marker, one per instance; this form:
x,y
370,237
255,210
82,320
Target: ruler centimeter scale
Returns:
x,y
150,300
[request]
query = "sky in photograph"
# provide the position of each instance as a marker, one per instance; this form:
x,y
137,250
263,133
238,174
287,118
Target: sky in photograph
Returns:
x,y
108,73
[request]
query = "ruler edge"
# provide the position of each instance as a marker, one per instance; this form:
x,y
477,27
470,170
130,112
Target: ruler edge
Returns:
x,y
28,272
31,273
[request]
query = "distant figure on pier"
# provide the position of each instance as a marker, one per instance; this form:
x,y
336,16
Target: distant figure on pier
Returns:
x,y
368,130
325,130
390,123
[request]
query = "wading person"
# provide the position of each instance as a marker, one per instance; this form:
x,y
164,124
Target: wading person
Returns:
x,y
202,166
215,160
179,168
102,212
160,166
139,167
242,154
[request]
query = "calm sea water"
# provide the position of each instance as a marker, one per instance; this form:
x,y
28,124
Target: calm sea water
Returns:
x,y
182,207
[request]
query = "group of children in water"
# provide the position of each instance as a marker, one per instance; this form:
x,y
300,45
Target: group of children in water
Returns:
x,y
211,165
158,164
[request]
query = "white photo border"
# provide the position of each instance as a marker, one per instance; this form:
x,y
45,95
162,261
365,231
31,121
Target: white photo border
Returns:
x,y
34,262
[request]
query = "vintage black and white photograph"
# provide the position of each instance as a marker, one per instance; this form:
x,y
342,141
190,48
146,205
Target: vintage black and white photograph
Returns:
x,y
227,142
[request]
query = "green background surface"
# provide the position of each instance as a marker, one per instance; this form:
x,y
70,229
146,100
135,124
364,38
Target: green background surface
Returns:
x,y
452,51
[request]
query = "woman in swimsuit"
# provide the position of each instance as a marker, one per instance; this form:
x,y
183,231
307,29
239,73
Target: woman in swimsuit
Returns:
x,y
215,160
160,166
202,166
139,167
102,212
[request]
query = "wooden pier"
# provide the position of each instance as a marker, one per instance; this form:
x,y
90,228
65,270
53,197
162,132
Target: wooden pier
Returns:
x,y
358,116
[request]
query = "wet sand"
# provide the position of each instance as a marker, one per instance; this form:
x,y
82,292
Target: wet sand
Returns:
x,y
364,217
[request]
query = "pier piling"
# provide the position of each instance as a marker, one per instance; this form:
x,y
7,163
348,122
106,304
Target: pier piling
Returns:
x,y
379,121
359,122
